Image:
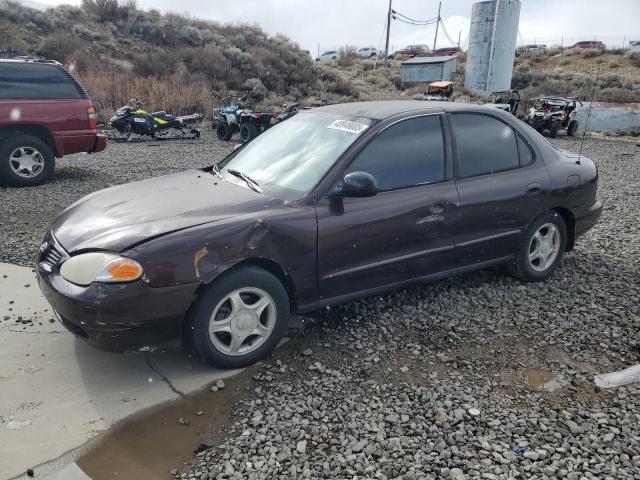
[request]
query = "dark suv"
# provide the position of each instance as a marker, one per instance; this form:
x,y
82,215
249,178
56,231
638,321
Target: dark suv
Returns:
x,y
44,113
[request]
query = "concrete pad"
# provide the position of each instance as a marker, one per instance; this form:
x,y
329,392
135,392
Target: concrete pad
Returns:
x,y
57,393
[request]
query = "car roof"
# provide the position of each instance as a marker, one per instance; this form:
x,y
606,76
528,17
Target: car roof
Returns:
x,y
29,60
379,110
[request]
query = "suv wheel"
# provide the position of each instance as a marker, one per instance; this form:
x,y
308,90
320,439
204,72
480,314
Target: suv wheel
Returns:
x,y
25,161
239,318
541,249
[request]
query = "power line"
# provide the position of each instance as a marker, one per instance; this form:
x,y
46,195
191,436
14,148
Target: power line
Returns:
x,y
414,23
395,12
445,33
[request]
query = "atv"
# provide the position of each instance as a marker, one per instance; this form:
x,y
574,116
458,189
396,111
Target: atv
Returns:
x,y
509,100
133,120
235,114
552,114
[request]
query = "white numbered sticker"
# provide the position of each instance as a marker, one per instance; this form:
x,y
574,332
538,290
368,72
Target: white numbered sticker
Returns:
x,y
348,126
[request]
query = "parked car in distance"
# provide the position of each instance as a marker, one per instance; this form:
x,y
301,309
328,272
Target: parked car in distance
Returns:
x,y
329,55
336,203
531,49
44,113
367,52
446,51
634,45
413,51
589,44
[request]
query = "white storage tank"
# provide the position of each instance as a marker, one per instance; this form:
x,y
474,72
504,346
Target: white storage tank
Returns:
x,y
493,37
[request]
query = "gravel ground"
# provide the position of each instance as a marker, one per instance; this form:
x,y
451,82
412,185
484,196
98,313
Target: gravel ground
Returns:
x,y
26,213
475,377
479,376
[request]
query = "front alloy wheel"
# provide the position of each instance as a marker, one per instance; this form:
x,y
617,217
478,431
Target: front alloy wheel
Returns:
x,y
239,318
242,321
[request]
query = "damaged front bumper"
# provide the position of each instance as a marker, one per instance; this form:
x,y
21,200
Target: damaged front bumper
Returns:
x,y
117,317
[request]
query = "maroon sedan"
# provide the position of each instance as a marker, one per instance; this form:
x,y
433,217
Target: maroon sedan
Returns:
x,y
333,204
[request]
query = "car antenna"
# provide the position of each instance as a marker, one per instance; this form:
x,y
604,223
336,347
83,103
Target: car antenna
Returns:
x,y
586,124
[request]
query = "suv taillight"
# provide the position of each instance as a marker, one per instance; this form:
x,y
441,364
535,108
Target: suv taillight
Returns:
x,y
92,117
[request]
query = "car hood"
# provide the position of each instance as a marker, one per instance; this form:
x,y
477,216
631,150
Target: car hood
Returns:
x,y
119,217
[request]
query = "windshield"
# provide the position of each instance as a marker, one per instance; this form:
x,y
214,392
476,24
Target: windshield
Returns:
x,y
288,160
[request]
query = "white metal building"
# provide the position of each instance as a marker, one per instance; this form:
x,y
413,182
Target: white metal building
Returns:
x,y
427,69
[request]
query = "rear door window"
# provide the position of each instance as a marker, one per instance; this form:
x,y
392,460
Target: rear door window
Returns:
x,y
37,81
485,145
406,154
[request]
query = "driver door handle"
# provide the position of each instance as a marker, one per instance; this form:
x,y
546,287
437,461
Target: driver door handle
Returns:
x,y
534,188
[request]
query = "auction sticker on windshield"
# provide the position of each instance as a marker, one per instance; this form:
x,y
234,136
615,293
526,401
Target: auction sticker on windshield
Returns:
x,y
348,126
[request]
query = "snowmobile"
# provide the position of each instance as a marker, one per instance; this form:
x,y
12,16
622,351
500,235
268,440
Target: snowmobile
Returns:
x,y
288,111
130,121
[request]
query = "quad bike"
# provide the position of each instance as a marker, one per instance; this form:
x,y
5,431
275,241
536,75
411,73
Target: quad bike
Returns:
x,y
234,115
129,121
440,91
551,114
509,100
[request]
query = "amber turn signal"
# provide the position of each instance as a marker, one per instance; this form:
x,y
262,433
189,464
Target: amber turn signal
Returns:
x,y
120,270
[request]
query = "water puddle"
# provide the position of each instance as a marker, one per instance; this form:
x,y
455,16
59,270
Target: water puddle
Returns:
x,y
609,116
542,379
149,444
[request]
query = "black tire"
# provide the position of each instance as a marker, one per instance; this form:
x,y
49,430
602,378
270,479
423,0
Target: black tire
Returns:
x,y
553,131
9,149
521,267
200,314
248,131
224,131
572,129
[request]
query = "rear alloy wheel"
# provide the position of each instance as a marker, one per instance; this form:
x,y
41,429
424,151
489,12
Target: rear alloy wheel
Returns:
x,y
239,318
25,161
541,249
248,131
224,131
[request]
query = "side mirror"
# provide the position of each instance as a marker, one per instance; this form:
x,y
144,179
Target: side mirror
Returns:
x,y
355,184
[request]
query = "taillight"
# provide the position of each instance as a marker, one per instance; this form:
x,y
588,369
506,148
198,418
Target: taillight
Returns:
x,y
91,112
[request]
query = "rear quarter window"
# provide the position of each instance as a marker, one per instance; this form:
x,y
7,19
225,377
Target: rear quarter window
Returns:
x,y
37,81
485,145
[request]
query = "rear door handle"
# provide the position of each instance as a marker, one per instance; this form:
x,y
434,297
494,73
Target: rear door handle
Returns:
x,y
534,188
435,212
438,207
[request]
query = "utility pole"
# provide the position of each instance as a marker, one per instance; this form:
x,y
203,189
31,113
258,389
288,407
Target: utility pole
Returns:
x,y
459,33
435,39
386,45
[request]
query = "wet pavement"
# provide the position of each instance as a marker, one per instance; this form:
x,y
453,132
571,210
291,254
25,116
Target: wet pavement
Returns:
x,y
57,393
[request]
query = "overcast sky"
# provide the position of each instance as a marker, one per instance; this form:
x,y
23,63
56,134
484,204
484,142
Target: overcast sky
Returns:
x,y
333,23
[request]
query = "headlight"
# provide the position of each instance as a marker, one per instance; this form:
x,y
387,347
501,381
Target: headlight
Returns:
x,y
87,268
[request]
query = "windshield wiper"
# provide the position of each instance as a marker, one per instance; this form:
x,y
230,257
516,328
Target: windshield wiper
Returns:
x,y
248,180
216,170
